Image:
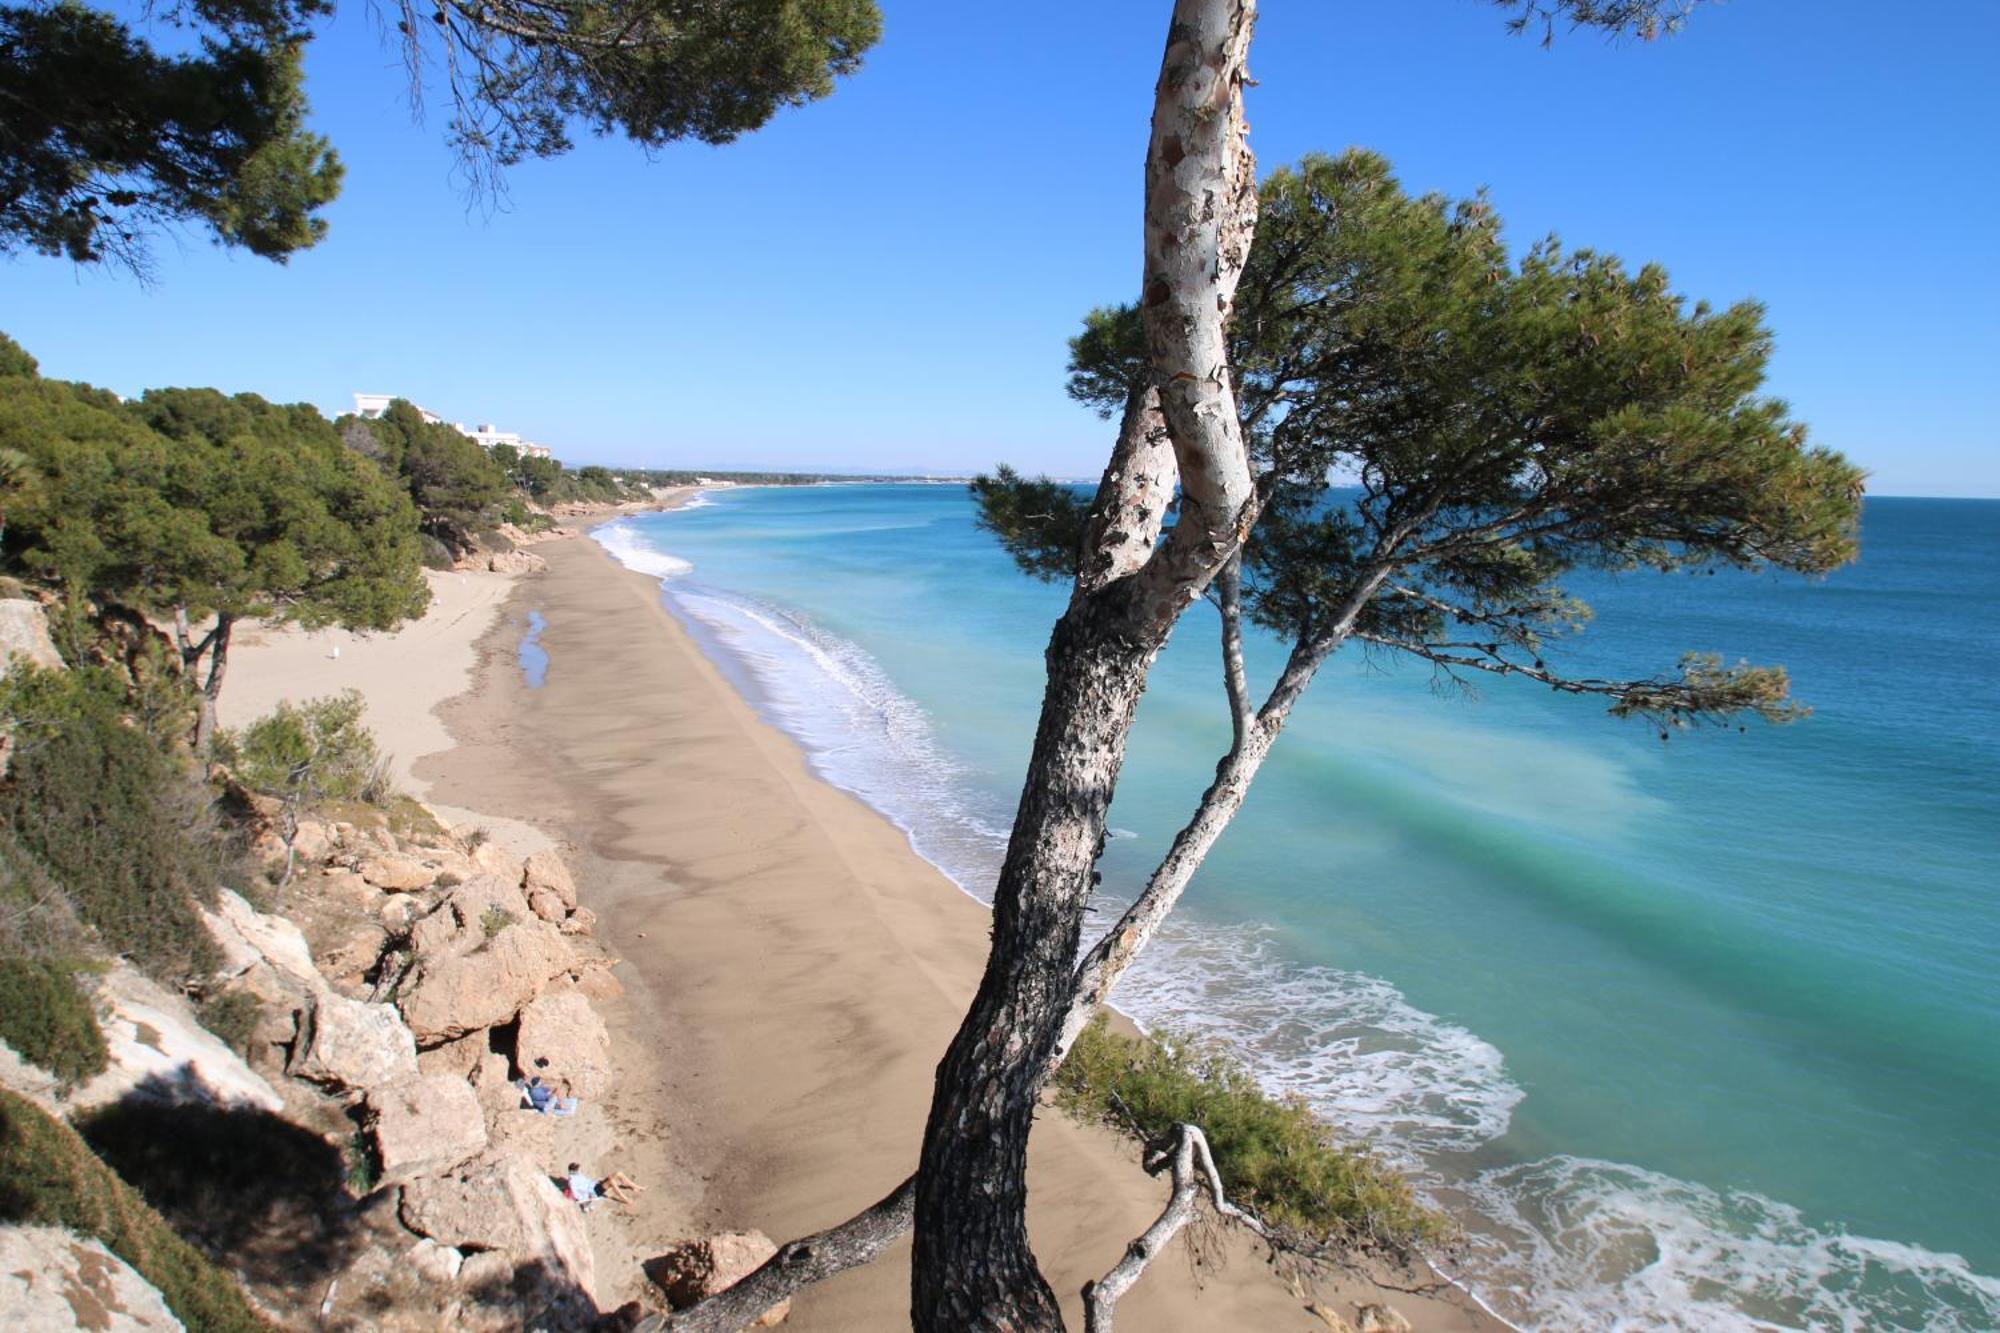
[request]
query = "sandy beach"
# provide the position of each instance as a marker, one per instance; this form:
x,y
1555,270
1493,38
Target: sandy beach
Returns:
x,y
792,968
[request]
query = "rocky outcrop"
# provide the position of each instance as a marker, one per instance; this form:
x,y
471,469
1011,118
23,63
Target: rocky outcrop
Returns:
x,y
352,1046
396,874
451,993
562,1034
1380,1319
158,1050
510,1207
515,562
695,1270
424,1124
54,1281
24,635
544,875
247,935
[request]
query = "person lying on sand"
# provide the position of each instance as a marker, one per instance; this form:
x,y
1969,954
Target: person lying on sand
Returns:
x,y
547,1100
586,1191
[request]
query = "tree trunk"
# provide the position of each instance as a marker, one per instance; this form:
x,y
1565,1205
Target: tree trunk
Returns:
x,y
218,663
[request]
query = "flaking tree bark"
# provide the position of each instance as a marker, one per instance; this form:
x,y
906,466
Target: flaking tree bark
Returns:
x,y
972,1267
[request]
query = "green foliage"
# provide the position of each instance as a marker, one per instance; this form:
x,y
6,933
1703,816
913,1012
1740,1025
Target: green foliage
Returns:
x,y
308,752
50,1177
105,136
1040,523
452,481
233,1016
495,920
110,816
1504,423
1275,1159
48,1019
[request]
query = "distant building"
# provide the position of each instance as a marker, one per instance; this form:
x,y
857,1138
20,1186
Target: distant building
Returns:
x,y
370,406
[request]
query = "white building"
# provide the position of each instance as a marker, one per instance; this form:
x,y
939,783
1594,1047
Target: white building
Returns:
x,y
370,406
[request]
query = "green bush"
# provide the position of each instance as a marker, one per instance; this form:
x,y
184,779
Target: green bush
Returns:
x,y
110,815
307,753
50,1177
47,1018
1274,1157
232,1016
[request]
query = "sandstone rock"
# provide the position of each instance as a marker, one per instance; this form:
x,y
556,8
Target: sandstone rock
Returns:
x,y
452,994
398,913
434,1262
274,938
545,870
158,1050
24,635
580,922
397,874
469,917
599,984
515,562
492,1079
1332,1318
53,1281
508,1207
547,905
425,1123
490,858
1380,1319
313,842
458,1057
562,1029
695,1270
352,1045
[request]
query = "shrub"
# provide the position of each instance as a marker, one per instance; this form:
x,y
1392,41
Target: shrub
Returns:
x,y
309,752
48,1019
1274,1157
111,816
436,555
50,1177
233,1016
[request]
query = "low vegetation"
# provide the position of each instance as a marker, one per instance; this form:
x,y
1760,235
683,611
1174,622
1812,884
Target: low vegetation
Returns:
x,y
1275,1158
48,1020
50,1177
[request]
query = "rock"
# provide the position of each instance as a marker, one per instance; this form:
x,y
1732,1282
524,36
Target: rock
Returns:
x,y
351,950
1332,1318
450,995
508,1207
695,1270
235,923
546,905
398,913
425,1123
492,1079
458,1057
545,870
38,1085
1380,1319
490,858
24,635
397,874
580,922
352,1045
469,916
434,1262
561,1029
312,842
515,562
599,984
158,1050
53,1281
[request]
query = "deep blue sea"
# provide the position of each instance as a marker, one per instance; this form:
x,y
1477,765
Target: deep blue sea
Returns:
x,y
1700,1035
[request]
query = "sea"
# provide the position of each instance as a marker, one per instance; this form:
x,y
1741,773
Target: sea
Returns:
x,y
1701,1033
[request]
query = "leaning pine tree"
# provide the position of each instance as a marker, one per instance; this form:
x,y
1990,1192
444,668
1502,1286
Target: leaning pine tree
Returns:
x,y
1371,425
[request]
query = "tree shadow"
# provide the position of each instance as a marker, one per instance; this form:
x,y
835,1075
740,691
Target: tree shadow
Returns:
x,y
256,1192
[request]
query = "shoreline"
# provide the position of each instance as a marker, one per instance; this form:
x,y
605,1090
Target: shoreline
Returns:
x,y
792,965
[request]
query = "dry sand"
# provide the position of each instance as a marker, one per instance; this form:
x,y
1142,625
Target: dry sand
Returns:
x,y
793,968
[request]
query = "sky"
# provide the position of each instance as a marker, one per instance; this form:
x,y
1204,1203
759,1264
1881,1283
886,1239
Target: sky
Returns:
x,y
885,280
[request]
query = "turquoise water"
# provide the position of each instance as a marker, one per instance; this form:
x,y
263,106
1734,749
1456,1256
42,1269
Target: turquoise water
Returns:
x,y
1701,1035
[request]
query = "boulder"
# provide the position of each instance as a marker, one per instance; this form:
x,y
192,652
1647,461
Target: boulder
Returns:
x,y
580,922
599,984
53,1280
452,994
545,870
24,635
434,1262
397,874
562,1038
469,916
509,1207
1332,1318
238,926
546,905
348,1044
425,1123
312,842
158,1050
458,1057
1380,1319
515,562
490,858
350,949
695,1270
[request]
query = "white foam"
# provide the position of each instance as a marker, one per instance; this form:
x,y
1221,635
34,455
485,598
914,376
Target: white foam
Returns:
x,y
630,549
1570,1242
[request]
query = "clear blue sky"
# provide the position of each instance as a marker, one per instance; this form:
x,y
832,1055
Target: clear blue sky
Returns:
x,y
885,280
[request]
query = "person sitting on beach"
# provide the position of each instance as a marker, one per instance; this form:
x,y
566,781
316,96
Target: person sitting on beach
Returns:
x,y
586,1191
547,1100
